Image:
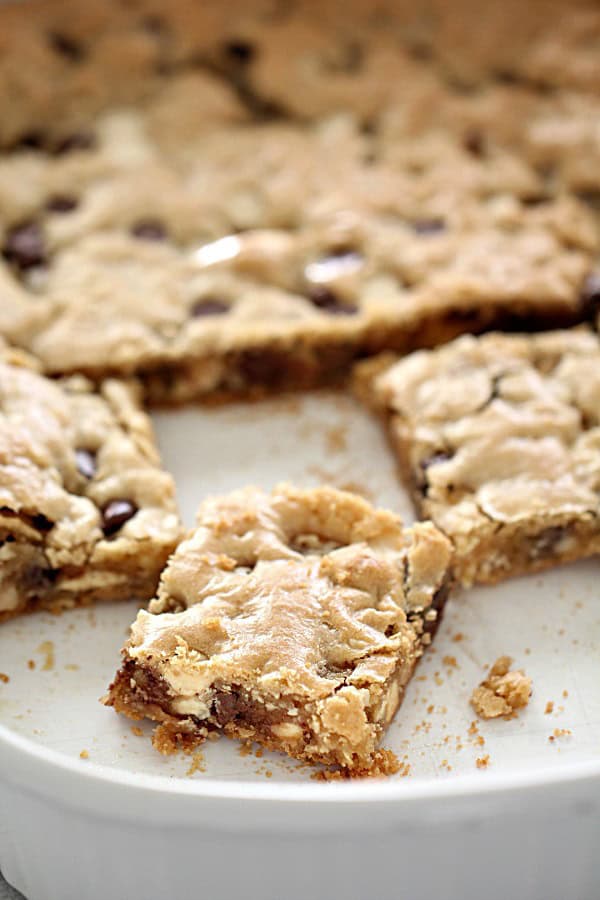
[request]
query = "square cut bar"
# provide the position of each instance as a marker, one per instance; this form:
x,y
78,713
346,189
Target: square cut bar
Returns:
x,y
86,513
293,619
498,439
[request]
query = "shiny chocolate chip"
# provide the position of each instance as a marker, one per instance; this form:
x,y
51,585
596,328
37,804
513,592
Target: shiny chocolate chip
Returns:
x,y
429,226
115,514
324,298
66,46
86,462
209,306
77,141
24,246
589,297
41,522
62,203
149,230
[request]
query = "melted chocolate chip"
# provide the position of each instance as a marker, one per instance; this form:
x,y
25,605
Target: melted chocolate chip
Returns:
x,y
66,46
149,230
32,140
86,462
240,52
474,142
325,299
589,297
24,246
41,522
429,226
79,140
209,306
62,203
545,542
115,514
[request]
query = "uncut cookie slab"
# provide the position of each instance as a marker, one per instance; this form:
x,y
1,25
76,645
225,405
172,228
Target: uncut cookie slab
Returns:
x,y
86,513
271,191
498,439
293,619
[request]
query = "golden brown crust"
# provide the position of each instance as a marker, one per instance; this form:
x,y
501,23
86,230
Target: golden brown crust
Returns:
x,y
272,193
293,618
496,438
86,513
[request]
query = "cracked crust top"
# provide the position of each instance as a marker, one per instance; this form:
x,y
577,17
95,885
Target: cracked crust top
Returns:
x,y
82,495
254,181
310,604
498,437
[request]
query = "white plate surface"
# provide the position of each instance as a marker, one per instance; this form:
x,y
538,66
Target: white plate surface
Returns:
x,y
549,624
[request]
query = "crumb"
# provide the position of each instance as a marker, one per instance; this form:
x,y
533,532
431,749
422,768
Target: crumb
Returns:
x,y
437,679
245,749
135,729
259,752
503,692
459,636
4,678
482,762
385,763
72,667
337,438
430,708
31,664
47,648
527,651
450,661
549,708
355,487
559,733
84,755
197,764
268,774
565,694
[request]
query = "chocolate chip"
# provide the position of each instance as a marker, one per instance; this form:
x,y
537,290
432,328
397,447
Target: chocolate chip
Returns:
x,y
41,522
37,578
115,514
79,140
62,203
589,297
474,142
325,299
545,542
67,46
435,459
24,246
240,52
86,462
149,230
429,226
208,306
31,140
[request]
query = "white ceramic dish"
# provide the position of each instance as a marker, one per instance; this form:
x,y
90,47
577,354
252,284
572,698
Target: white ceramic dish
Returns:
x,y
127,823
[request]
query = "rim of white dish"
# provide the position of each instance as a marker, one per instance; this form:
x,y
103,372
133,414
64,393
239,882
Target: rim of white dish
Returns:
x,y
20,752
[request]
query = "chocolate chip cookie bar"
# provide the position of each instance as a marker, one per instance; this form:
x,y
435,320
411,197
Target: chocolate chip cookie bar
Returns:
x,y
272,191
497,438
86,513
293,619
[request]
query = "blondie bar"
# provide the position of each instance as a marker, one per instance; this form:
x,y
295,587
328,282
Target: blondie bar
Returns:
x,y
293,619
86,513
224,202
498,439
